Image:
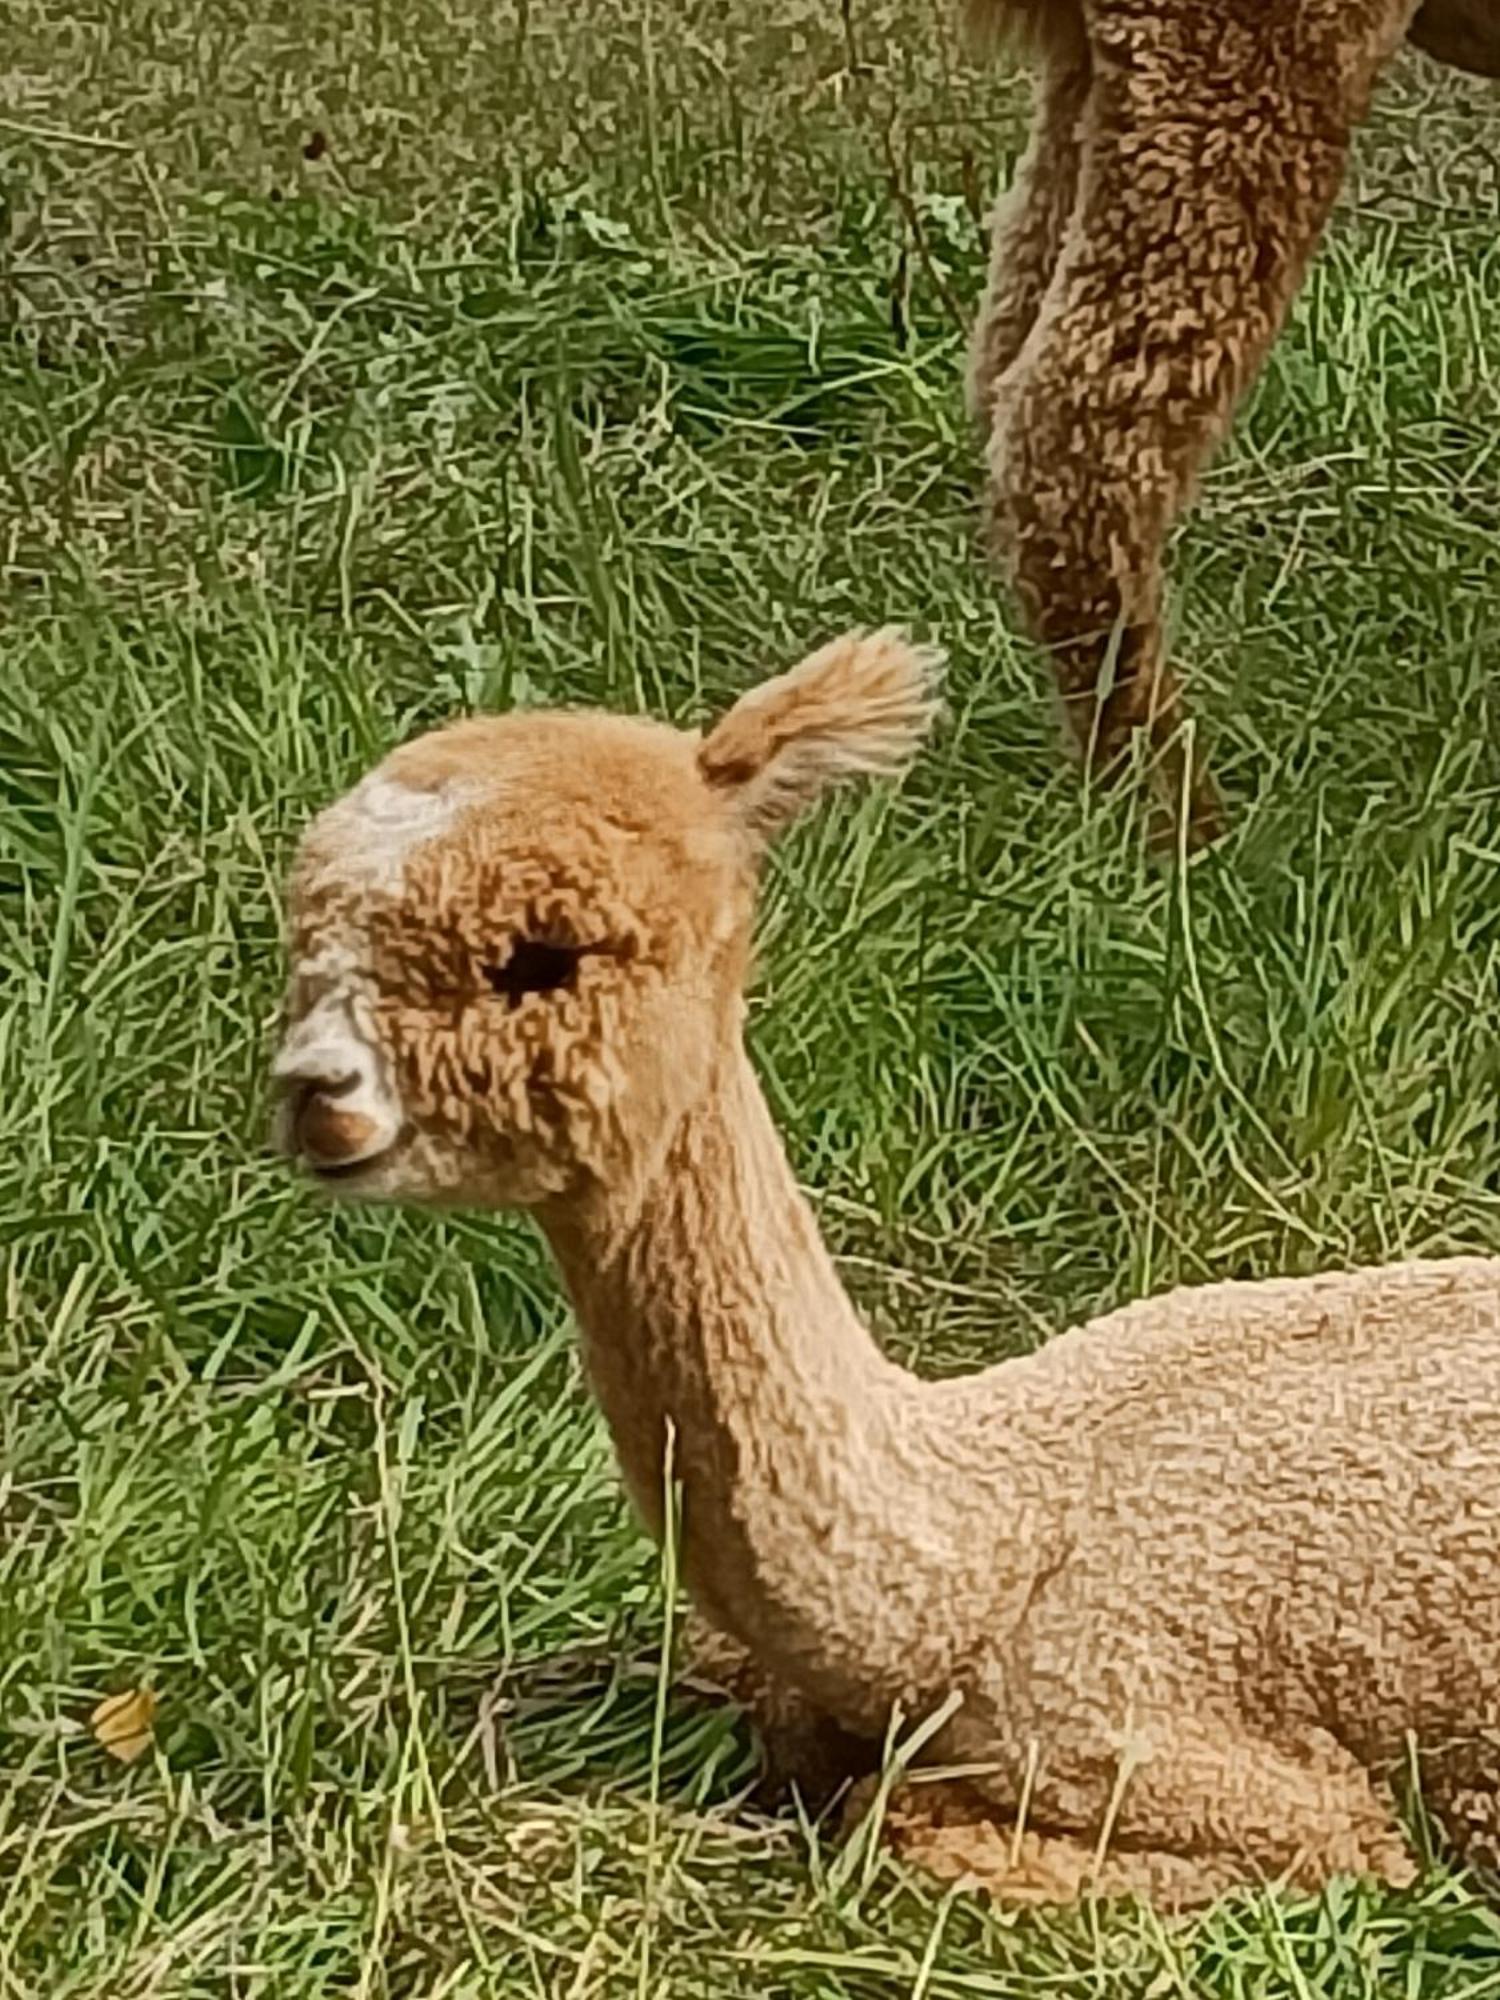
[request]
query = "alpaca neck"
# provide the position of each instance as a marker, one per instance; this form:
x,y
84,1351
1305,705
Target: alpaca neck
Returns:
x,y
817,1525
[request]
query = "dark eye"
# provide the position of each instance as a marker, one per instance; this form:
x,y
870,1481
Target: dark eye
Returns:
x,y
534,966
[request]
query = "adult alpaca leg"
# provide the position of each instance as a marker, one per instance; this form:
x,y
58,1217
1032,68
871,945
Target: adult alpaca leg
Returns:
x,y
1031,217
1214,143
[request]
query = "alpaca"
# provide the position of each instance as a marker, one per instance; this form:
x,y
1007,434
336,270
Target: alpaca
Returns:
x,y
1191,1572
1184,157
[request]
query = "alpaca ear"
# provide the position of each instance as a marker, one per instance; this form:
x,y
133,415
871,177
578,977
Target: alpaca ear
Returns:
x,y
858,707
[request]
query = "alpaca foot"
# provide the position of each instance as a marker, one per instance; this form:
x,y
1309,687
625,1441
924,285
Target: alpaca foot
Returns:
x,y
1184,811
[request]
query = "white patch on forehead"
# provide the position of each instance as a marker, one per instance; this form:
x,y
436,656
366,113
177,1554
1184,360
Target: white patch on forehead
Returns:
x,y
357,850
371,834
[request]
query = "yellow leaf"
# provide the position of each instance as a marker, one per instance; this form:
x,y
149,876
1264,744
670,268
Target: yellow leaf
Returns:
x,y
122,1723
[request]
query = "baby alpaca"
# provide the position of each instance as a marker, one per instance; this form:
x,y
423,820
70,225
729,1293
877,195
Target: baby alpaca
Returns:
x,y
1192,1572
1183,160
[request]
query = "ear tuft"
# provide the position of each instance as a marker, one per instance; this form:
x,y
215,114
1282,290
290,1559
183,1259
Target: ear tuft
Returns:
x,y
858,707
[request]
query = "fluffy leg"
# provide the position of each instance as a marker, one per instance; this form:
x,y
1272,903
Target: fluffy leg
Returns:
x,y
801,1748
1026,229
948,1831
1214,143
1198,1814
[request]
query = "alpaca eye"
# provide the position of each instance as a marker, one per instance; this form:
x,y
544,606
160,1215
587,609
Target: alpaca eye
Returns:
x,y
534,966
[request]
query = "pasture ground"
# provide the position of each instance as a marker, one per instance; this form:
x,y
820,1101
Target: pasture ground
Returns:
x,y
363,363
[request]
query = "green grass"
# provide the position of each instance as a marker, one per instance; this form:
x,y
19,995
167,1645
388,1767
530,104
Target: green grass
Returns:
x,y
596,360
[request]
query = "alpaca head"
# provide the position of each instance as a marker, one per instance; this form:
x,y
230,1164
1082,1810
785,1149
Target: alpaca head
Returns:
x,y
518,945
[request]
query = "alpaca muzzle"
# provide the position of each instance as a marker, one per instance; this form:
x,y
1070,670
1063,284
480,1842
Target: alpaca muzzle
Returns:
x,y
335,1114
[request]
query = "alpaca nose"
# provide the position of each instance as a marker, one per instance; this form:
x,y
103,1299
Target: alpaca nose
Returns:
x,y
328,1131
337,1109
